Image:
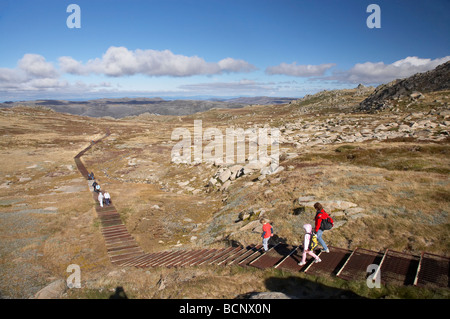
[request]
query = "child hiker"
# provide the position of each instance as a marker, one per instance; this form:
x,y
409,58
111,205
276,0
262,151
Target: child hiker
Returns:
x,y
267,233
100,199
307,247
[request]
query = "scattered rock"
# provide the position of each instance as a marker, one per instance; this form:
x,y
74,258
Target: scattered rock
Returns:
x,y
225,186
416,95
182,184
251,225
339,223
248,213
272,169
225,175
270,295
338,214
305,199
330,205
256,165
52,291
353,210
161,283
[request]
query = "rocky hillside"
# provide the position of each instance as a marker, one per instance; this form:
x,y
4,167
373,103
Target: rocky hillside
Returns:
x,y
412,87
336,100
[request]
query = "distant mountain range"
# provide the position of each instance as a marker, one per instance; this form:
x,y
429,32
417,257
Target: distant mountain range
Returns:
x,y
123,107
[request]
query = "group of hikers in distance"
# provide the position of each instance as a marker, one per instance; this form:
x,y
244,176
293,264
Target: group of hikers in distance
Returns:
x,y
103,197
312,237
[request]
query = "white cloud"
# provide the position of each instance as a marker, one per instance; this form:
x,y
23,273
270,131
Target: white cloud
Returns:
x,y
299,70
119,61
35,65
33,72
29,67
379,72
11,76
232,65
69,65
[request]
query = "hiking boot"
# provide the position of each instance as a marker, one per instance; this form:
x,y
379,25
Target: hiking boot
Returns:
x,y
302,263
326,250
318,260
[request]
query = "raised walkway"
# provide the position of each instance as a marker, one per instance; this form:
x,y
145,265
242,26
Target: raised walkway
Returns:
x,y
393,267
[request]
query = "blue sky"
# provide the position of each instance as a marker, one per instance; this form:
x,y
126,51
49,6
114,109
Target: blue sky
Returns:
x,y
175,48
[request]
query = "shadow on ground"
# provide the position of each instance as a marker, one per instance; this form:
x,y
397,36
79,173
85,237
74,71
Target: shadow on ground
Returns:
x,y
300,288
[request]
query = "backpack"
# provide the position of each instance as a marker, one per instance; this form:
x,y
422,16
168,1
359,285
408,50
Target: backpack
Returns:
x,y
326,224
313,242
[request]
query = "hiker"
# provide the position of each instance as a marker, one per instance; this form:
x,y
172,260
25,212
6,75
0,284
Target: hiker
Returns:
x,y
91,176
94,184
308,245
323,221
97,188
107,198
100,199
267,233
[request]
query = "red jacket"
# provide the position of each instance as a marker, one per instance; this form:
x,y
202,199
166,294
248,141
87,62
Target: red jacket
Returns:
x,y
267,231
321,215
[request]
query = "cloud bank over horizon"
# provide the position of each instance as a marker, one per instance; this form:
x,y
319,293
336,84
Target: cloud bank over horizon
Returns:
x,y
34,73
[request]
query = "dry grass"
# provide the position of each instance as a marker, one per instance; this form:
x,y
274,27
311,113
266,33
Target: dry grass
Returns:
x,y
403,187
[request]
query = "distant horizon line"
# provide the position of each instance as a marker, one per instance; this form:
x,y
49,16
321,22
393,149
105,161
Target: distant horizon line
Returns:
x,y
168,98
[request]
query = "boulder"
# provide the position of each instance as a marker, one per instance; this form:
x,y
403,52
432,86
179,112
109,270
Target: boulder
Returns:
x,y
251,225
52,291
331,205
339,223
338,205
353,210
247,171
416,95
247,213
225,186
381,127
272,169
270,295
404,128
244,215
338,213
235,168
305,199
256,165
225,175
182,184
236,171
